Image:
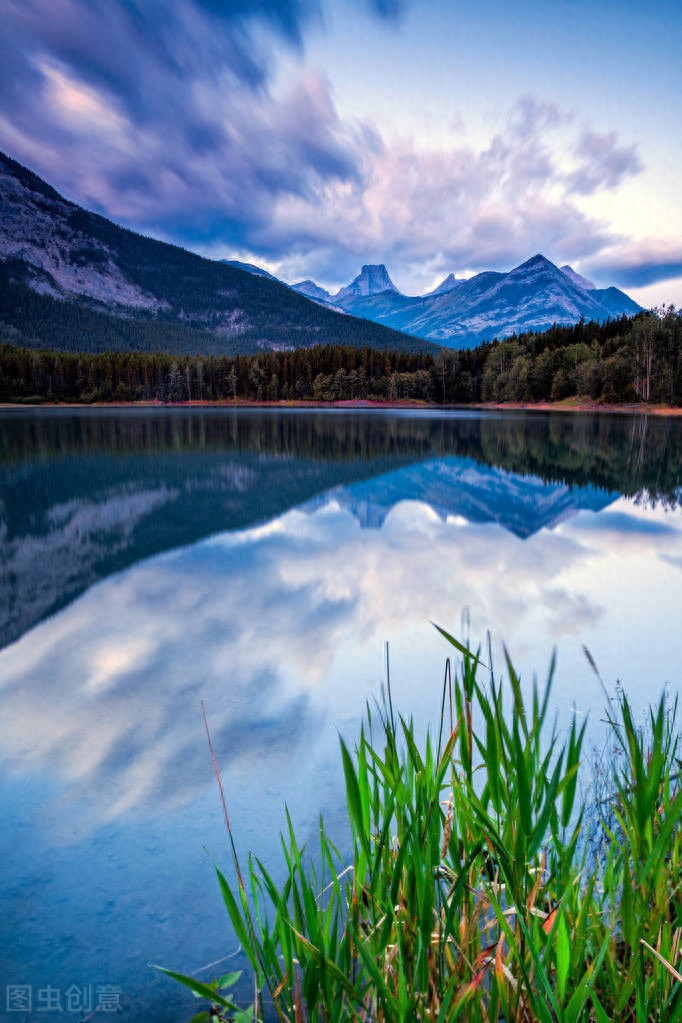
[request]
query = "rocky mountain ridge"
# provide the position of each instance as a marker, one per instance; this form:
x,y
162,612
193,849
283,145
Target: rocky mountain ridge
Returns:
x,y
461,313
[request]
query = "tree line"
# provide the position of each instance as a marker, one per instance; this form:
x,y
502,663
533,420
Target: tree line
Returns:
x,y
625,360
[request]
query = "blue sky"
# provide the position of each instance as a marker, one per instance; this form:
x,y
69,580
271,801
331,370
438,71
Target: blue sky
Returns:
x,y
311,137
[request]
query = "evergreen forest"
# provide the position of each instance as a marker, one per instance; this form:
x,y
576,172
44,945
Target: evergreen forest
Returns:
x,y
621,361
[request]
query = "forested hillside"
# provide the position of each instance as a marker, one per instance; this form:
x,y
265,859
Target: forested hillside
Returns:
x,y
626,360
38,320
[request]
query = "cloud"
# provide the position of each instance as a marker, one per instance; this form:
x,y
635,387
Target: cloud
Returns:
x,y
164,118
640,263
603,163
625,524
185,120
459,208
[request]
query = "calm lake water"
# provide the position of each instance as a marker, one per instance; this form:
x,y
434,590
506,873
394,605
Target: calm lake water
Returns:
x,y
259,560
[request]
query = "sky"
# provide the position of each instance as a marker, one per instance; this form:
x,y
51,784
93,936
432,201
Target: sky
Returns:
x,y
313,136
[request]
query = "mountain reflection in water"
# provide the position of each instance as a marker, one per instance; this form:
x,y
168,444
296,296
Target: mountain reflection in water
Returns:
x,y
257,561
85,494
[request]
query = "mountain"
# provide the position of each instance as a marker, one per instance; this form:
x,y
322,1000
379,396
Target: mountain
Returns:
x,y
379,307
577,278
449,284
312,290
70,279
616,302
373,279
532,296
460,314
372,293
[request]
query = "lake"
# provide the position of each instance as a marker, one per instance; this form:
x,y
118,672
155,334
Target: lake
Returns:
x,y
260,560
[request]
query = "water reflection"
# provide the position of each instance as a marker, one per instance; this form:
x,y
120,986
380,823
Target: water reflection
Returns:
x,y
85,494
259,562
461,487
263,624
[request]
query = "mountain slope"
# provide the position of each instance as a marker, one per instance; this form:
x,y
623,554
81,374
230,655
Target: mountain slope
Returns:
x,y
72,279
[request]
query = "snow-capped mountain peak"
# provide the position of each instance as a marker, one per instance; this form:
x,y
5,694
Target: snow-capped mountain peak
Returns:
x,y
372,280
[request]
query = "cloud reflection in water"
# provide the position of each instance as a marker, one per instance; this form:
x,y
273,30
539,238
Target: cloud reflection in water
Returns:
x,y
279,629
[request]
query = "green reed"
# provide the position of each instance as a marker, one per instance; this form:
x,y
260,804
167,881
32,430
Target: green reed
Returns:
x,y
472,893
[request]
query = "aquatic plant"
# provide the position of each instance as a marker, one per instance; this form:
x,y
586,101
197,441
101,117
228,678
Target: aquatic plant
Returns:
x,y
474,891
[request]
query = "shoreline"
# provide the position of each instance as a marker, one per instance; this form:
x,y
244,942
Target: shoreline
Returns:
x,y
632,409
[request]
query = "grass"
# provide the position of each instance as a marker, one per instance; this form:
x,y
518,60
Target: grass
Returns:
x,y
480,888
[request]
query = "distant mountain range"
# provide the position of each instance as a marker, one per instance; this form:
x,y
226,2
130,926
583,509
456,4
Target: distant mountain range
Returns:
x,y
70,279
461,313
